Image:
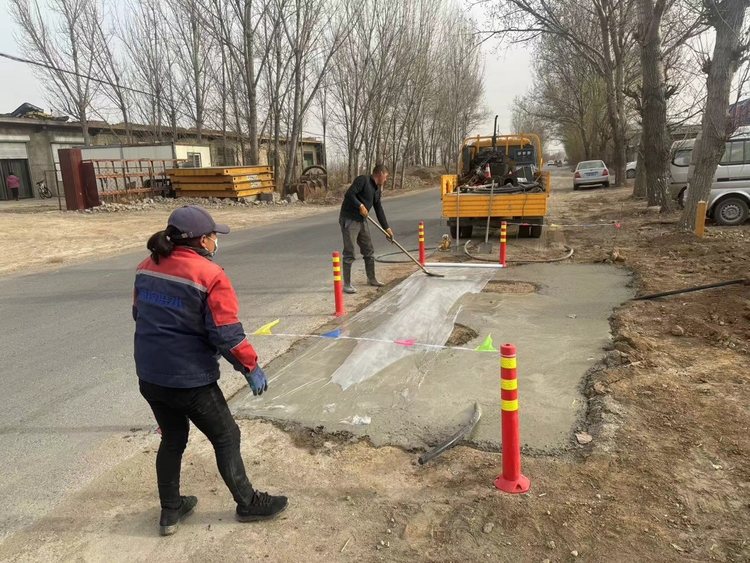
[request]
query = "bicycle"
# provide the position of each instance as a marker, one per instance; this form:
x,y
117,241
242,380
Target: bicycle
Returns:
x,y
43,190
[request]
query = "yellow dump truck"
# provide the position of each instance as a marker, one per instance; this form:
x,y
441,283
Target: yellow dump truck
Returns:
x,y
499,178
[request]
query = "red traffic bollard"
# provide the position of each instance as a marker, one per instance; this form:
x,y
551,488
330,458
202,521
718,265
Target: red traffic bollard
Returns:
x,y
503,241
338,286
422,258
511,481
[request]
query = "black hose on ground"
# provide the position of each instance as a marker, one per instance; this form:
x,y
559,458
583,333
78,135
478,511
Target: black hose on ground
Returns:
x,y
569,250
379,257
455,439
689,290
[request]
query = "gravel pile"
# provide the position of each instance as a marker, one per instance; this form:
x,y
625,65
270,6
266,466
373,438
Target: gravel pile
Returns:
x,y
160,202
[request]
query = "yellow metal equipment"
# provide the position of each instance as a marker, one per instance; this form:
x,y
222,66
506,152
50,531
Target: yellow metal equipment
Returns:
x,y
222,181
515,183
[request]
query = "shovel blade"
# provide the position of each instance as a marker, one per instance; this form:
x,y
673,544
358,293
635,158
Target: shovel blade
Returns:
x,y
484,248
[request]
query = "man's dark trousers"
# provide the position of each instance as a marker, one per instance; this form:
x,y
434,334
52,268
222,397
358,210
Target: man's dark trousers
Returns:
x,y
359,230
207,408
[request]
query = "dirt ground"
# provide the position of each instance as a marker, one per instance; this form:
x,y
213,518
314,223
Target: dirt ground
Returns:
x,y
48,238
666,476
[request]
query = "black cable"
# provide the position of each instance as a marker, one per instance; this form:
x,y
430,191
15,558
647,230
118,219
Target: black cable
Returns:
x,y
78,74
689,290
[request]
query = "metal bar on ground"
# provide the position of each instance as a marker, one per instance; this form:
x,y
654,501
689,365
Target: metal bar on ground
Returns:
x,y
459,265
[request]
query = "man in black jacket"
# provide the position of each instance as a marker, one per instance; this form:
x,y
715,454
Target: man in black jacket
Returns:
x,y
364,194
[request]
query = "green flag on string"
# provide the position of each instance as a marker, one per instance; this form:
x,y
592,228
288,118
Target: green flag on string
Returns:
x,y
486,346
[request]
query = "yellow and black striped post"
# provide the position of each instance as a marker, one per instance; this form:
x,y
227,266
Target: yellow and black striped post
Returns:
x,y
511,481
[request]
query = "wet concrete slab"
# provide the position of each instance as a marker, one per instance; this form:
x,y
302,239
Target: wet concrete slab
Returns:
x,y
415,397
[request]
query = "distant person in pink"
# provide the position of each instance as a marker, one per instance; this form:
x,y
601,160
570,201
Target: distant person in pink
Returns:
x,y
14,185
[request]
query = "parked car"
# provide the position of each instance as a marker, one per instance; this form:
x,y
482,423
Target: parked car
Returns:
x,y
729,201
630,169
591,173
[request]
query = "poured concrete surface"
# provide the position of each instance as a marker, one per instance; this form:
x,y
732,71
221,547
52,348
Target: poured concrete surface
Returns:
x,y
416,397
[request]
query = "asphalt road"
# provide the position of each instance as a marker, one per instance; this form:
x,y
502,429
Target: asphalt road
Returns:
x,y
69,404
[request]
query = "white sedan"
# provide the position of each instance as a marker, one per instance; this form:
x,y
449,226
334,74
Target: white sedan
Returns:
x,y
591,173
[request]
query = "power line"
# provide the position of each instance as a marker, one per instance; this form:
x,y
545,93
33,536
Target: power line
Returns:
x,y
87,77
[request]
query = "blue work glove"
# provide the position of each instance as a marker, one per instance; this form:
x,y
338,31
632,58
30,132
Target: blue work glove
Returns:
x,y
257,380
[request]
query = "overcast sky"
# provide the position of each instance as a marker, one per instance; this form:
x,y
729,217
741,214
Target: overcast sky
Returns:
x,y
506,75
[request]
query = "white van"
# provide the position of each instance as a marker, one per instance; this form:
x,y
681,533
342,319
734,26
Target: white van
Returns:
x,y
729,203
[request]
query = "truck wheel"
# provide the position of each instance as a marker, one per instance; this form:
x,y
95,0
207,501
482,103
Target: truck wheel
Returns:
x,y
731,211
535,231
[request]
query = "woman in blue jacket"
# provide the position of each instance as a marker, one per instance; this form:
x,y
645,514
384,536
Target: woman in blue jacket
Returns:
x,y
185,312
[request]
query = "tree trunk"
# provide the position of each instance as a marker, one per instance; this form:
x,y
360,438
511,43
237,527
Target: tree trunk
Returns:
x,y
291,169
85,126
249,71
639,189
727,19
654,108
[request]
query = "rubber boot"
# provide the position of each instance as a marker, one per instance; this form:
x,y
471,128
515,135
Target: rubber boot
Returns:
x,y
347,271
370,269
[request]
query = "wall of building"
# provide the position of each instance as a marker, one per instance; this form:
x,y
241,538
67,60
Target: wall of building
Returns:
x,y
46,137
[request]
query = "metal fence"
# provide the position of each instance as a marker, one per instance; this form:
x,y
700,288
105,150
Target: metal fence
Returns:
x,y
116,178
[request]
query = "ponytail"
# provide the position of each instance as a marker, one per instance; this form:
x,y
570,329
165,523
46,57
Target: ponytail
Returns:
x,y
160,245
163,243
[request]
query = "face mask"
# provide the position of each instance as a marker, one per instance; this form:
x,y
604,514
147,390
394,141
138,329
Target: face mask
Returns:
x,y
216,246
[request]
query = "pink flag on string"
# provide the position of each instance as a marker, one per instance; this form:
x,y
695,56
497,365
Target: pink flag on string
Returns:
x,y
405,342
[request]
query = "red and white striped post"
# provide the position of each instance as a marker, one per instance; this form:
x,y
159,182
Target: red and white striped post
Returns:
x,y
338,286
511,480
422,258
503,241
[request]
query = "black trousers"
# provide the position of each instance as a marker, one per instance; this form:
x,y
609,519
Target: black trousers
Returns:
x,y
352,230
14,193
207,408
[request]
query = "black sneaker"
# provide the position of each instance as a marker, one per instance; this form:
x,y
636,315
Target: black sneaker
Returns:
x,y
262,507
171,518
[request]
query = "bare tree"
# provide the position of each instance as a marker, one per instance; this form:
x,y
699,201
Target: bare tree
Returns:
x,y
108,63
607,47
654,103
193,46
314,41
727,19
569,97
60,46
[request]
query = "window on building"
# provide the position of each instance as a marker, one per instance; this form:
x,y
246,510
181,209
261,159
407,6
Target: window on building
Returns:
x,y
193,160
308,158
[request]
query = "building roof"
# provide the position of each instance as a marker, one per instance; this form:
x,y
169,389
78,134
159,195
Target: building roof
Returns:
x,y
30,115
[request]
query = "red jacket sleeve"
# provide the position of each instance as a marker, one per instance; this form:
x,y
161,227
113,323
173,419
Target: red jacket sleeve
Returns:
x,y
224,328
